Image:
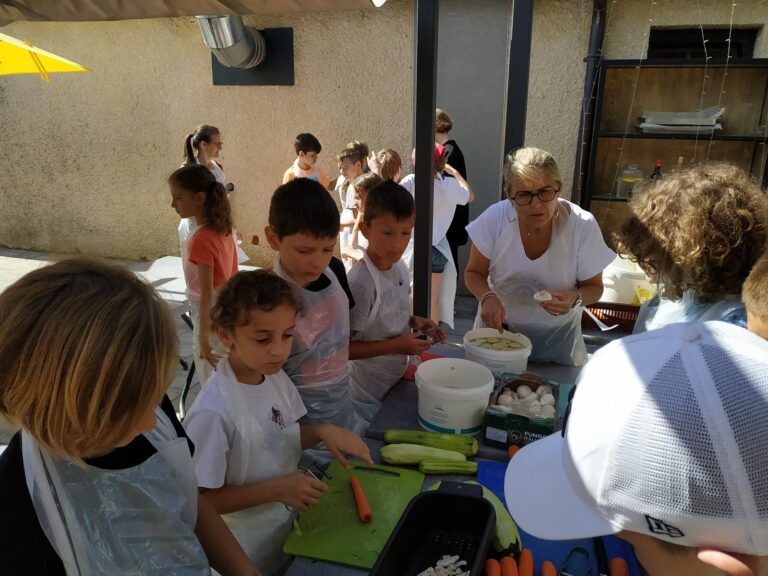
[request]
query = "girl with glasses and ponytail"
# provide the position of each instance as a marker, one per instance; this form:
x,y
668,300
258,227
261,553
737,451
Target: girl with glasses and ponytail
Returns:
x,y
536,243
210,258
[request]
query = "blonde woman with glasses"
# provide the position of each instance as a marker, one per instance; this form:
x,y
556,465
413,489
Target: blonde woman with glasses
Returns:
x,y
536,260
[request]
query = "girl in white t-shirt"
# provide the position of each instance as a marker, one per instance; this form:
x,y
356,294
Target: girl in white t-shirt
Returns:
x,y
450,190
245,421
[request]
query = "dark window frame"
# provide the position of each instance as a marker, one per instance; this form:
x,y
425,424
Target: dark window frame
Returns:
x,y
686,44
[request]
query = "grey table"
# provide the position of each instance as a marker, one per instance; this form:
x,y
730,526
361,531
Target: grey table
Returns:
x,y
399,410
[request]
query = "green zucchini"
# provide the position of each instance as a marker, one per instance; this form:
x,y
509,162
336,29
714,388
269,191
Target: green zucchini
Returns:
x,y
414,454
462,444
447,467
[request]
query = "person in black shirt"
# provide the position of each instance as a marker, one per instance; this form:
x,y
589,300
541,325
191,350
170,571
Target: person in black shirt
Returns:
x,y
99,480
457,234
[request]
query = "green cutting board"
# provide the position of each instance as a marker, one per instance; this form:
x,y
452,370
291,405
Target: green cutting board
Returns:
x,y
331,530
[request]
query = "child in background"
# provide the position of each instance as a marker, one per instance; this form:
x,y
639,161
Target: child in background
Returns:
x,y
362,185
350,167
307,148
211,257
381,322
388,165
303,226
100,479
448,193
245,422
754,295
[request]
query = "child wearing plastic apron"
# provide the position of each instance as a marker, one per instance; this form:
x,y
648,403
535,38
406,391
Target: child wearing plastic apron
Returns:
x,y
372,378
319,361
142,518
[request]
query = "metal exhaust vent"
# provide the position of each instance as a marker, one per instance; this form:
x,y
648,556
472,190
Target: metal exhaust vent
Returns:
x,y
233,44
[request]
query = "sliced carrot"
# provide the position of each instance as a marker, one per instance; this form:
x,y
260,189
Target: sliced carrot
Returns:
x,y
492,567
508,566
619,567
364,511
526,562
548,569
512,450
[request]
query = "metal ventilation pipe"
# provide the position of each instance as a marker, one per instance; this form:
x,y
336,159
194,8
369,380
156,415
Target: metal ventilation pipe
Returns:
x,y
233,44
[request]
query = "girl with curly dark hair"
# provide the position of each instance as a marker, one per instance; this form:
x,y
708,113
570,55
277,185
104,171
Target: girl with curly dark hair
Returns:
x,y
698,231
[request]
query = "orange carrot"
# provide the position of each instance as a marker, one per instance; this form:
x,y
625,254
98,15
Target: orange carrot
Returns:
x,y
526,562
512,451
363,507
508,566
618,567
548,569
492,567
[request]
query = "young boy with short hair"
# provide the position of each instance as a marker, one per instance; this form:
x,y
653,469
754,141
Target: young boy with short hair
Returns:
x,y
307,148
303,226
754,295
663,445
381,322
350,161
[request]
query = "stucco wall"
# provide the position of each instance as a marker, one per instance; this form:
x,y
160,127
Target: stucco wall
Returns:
x,y
86,156
630,21
556,82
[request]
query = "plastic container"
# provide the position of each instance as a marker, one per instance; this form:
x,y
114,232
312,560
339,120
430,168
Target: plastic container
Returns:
x,y
455,520
453,395
499,362
625,283
630,177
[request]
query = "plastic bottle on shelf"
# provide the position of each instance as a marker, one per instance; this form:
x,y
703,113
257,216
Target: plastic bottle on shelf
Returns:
x,y
656,174
630,177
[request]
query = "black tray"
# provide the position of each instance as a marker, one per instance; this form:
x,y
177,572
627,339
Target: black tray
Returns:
x,y
455,521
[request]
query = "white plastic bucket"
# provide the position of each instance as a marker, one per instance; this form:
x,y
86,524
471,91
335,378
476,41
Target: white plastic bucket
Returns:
x,y
453,395
498,361
625,283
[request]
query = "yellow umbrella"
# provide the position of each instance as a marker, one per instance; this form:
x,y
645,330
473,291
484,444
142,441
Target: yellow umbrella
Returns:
x,y
17,57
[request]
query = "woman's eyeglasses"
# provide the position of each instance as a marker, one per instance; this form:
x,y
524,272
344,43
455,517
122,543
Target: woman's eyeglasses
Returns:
x,y
525,197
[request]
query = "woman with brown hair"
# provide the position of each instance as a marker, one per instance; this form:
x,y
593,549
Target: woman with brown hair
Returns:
x,y
698,231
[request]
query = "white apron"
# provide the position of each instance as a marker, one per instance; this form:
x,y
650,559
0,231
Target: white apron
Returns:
x,y
446,296
138,521
554,338
260,530
319,360
371,378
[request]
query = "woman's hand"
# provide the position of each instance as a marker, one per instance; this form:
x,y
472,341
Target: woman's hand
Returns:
x,y
492,312
561,302
340,442
300,490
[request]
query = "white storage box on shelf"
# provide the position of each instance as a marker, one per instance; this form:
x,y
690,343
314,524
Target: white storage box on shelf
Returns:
x,y
453,395
498,361
625,283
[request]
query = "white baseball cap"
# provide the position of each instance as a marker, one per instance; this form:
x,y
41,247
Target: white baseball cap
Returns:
x,y
666,435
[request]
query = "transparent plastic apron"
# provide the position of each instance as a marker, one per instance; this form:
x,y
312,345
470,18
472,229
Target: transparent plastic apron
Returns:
x,y
658,311
261,530
138,521
372,378
554,338
319,361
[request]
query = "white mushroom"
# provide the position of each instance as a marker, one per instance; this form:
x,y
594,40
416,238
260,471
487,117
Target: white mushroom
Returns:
x,y
547,400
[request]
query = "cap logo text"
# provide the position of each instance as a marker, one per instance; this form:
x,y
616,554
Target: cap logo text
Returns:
x,y
660,527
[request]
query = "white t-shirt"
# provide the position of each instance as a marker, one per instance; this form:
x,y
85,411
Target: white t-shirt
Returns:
x,y
218,444
496,234
447,195
346,197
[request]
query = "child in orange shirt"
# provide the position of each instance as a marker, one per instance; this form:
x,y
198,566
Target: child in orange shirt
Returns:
x,y
210,259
